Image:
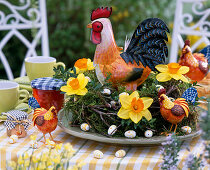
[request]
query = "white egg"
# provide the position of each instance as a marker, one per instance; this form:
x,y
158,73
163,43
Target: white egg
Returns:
x,y
120,153
98,154
89,80
148,133
34,144
186,129
13,139
112,129
76,98
113,103
85,127
130,134
106,92
123,93
158,87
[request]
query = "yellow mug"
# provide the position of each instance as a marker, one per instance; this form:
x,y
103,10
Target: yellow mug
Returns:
x,y
40,66
10,95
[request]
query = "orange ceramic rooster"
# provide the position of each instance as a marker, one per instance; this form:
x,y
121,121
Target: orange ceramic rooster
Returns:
x,y
197,62
173,112
130,68
45,120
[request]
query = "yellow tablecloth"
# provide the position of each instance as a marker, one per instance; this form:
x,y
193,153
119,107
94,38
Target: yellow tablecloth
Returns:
x,y
136,158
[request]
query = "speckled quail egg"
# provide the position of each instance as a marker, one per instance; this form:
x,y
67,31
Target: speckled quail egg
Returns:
x,y
89,80
130,134
98,154
112,129
120,153
148,133
158,87
123,93
106,92
186,129
85,127
13,139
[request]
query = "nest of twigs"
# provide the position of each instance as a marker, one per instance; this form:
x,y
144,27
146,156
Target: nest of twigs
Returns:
x,y
100,110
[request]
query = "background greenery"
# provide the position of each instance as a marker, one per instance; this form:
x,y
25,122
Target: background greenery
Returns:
x,y
69,39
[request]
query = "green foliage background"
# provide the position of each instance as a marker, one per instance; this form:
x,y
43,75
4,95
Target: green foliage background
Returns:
x,y
69,38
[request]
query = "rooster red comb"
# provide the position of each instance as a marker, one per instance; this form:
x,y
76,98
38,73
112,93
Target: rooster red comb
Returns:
x,y
101,13
187,42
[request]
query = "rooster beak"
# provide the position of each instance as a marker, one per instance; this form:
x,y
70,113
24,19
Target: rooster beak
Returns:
x,y
89,25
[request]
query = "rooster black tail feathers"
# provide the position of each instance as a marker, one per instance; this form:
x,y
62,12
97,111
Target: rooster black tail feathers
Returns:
x,y
148,44
206,52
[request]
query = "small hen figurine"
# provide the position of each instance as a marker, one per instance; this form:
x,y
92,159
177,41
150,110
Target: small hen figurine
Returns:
x,y
173,112
45,120
197,62
147,48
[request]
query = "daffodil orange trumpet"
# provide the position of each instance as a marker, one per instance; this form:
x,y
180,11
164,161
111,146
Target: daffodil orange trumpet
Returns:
x,y
83,65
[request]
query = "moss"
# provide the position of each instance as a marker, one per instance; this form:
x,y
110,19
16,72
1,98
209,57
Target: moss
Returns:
x,y
83,108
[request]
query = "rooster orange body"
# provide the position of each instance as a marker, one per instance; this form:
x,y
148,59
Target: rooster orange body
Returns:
x,y
145,50
45,120
197,63
173,112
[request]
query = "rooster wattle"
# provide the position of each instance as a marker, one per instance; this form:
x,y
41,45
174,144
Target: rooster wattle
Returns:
x,y
147,48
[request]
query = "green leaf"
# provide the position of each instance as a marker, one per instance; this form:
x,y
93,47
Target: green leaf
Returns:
x,y
74,70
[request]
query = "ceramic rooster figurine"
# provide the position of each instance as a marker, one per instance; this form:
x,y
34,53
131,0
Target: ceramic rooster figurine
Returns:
x,y
146,49
172,111
45,120
197,62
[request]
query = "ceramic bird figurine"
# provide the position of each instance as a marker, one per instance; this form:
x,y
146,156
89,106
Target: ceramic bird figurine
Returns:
x,y
197,62
45,120
146,49
172,111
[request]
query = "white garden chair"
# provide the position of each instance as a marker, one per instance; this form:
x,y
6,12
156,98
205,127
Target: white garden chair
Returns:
x,y
180,28
20,23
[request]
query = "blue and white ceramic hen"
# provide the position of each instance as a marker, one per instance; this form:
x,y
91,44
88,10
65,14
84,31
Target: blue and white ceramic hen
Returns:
x,y
190,95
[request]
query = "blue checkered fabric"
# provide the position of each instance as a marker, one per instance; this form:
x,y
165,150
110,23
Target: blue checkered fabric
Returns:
x,y
18,115
190,94
47,83
206,52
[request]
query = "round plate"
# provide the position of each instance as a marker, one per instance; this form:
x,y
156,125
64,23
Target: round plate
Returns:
x,y
63,122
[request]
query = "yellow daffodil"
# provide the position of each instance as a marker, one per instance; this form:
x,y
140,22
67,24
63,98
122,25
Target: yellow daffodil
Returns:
x,y
35,159
12,164
27,163
172,70
76,85
68,147
26,156
33,137
134,107
20,160
56,159
83,65
41,165
58,146
44,157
